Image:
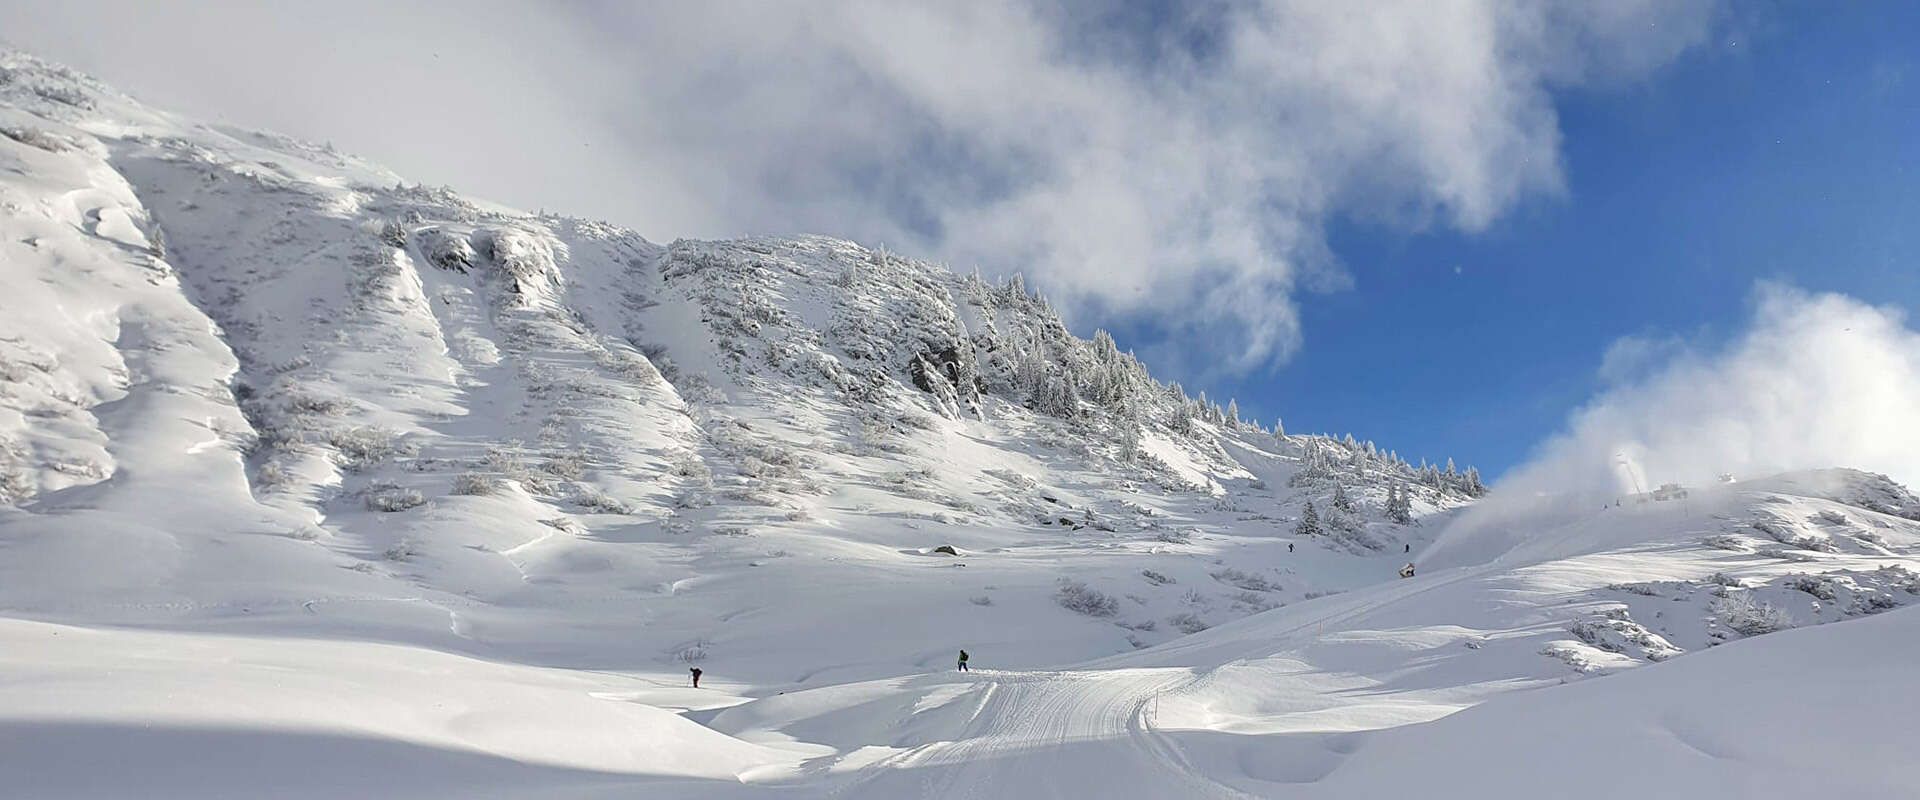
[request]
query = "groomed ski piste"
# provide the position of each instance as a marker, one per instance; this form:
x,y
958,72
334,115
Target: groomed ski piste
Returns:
x,y
319,484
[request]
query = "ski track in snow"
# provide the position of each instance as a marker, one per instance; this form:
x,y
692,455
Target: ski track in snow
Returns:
x,y
1027,723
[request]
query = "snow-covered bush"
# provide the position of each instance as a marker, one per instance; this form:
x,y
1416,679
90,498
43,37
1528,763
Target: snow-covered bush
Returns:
x,y
1156,578
446,249
34,137
391,233
474,483
1076,596
1740,612
387,497
980,600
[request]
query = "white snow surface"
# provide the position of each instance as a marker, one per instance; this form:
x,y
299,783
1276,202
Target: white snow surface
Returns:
x,y
314,483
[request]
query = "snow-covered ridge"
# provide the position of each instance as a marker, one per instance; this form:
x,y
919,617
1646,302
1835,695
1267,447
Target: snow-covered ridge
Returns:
x,y
303,389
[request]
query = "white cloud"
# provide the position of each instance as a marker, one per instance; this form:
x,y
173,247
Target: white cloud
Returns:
x,y
1175,170
1631,358
1819,380
1816,381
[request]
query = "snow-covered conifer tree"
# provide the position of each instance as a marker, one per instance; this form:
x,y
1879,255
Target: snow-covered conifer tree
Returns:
x,y
1340,499
1309,524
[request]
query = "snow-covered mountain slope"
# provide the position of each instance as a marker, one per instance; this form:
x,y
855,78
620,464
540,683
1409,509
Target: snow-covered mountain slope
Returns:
x,y
1352,695
258,385
1278,704
387,491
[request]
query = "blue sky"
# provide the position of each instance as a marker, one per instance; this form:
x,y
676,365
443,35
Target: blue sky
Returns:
x,y
1791,155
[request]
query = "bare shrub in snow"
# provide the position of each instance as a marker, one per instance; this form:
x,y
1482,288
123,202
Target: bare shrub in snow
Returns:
x,y
1254,602
1740,612
1243,580
566,466
365,446
387,497
1187,623
1724,541
1174,537
981,600
315,404
399,552
270,476
596,500
692,652
1076,596
1821,588
474,483
1156,578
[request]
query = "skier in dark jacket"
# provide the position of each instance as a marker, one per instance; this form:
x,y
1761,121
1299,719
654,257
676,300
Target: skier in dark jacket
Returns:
x,y
963,661
696,676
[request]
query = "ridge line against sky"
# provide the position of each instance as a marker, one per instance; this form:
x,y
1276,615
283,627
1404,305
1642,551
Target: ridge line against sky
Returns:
x,y
1168,164
1402,183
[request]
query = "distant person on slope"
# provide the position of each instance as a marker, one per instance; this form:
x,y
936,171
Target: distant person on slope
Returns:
x,y
1409,548
696,676
963,661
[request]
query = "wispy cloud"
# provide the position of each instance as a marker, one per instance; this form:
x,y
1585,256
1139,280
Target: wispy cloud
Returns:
x,y
1162,165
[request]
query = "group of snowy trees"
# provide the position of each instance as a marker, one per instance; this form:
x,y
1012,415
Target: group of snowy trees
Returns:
x,y
1325,459
1026,354
1055,373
